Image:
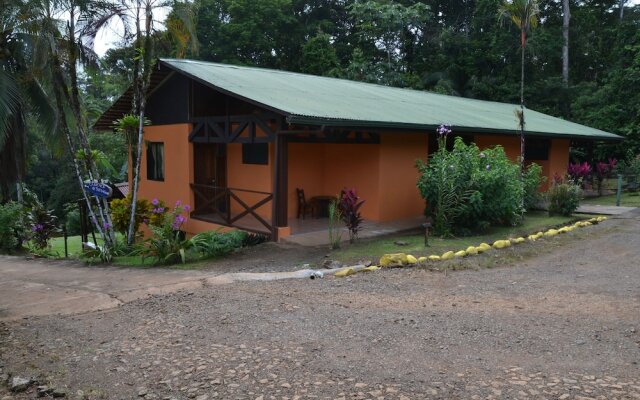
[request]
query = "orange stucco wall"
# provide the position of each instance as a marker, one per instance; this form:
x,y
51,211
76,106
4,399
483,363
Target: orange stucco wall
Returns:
x,y
325,169
383,174
178,171
249,177
399,196
558,158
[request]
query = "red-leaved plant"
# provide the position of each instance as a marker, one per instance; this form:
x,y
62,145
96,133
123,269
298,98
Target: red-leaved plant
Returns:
x,y
603,169
578,172
349,207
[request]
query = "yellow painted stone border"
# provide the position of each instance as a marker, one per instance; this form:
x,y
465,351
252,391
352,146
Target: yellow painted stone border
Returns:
x,y
402,259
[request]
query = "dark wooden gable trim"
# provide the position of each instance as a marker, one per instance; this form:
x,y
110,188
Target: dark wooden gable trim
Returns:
x,y
231,129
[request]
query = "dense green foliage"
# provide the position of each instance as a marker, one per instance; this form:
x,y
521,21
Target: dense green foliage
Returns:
x,y
168,244
217,243
455,47
12,228
532,179
459,48
467,189
147,212
563,198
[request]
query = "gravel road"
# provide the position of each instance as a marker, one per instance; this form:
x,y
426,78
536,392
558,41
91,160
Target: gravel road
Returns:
x,y
558,319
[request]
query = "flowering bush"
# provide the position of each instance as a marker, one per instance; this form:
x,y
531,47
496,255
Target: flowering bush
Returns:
x,y
467,189
443,132
168,243
148,212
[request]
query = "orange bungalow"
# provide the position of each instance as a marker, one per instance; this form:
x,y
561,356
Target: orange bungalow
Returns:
x,y
241,144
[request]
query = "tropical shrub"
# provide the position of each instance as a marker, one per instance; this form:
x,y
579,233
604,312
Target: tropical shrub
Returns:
x,y
578,172
148,212
563,198
630,165
217,243
468,190
12,229
602,171
532,180
43,225
349,206
168,243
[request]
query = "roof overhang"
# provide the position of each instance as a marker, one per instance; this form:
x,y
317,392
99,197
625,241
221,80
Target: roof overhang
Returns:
x,y
347,123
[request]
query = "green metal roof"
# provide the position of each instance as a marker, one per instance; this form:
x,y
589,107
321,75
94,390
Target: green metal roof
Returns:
x,y
308,99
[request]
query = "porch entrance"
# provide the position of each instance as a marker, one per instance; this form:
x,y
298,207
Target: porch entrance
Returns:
x,y
210,178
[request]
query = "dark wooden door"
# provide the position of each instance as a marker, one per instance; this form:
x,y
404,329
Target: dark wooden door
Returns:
x,y
210,170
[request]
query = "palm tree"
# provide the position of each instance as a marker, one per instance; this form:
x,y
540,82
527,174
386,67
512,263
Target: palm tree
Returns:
x,y
21,94
524,14
65,30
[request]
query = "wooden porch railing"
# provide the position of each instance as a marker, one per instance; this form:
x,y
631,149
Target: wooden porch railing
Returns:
x,y
215,204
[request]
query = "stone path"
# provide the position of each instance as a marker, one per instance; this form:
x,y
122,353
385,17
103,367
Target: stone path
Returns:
x,y
558,319
38,287
604,210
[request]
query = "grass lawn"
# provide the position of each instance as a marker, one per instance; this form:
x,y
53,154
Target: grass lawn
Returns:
x,y
627,200
74,245
372,249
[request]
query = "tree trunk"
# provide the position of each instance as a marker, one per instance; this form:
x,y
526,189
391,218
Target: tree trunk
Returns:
x,y
566,16
523,41
137,95
80,122
142,84
621,6
57,89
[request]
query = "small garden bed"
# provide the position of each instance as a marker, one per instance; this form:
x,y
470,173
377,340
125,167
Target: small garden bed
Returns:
x,y
373,249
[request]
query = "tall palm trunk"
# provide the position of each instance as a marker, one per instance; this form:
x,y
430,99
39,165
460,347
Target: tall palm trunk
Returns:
x,y
523,39
142,78
80,123
566,16
58,89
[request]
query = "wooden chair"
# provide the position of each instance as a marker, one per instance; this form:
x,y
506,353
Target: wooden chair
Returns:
x,y
305,207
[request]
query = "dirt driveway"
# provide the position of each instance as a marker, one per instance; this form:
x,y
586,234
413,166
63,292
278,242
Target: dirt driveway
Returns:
x,y
557,320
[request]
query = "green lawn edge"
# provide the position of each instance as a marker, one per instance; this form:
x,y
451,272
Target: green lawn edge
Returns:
x,y
372,249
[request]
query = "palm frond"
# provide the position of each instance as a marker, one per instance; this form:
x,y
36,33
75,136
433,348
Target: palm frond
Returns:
x,y
41,106
10,103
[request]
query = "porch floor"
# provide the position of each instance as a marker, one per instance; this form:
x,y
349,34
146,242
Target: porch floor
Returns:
x,y
315,231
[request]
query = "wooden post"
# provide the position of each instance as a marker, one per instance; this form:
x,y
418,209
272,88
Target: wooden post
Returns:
x,y
280,183
619,191
66,248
